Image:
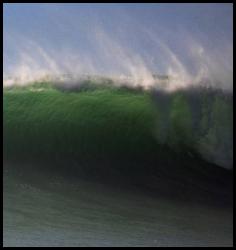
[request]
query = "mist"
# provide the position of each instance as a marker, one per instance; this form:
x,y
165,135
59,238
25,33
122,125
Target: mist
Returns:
x,y
131,43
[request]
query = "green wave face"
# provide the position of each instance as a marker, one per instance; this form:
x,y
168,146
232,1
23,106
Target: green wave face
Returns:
x,y
95,124
105,123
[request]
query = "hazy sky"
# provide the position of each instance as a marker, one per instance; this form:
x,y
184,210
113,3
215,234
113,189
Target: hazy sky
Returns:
x,y
100,37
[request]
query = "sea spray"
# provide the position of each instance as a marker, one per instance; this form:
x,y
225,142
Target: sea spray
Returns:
x,y
124,48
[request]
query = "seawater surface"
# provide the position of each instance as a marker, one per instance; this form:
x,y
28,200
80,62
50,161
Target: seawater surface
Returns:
x,y
51,210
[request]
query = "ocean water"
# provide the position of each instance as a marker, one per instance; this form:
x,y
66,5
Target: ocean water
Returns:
x,y
108,166
51,211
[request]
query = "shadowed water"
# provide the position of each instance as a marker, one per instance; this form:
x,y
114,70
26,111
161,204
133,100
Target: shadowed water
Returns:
x,y
46,210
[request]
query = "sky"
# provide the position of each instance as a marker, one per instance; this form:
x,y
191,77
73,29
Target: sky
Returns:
x,y
189,41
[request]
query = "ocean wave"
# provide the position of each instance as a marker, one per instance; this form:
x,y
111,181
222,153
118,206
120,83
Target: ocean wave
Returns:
x,y
172,142
103,121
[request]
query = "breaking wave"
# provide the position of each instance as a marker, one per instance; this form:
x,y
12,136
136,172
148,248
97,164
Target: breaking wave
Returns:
x,y
87,129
